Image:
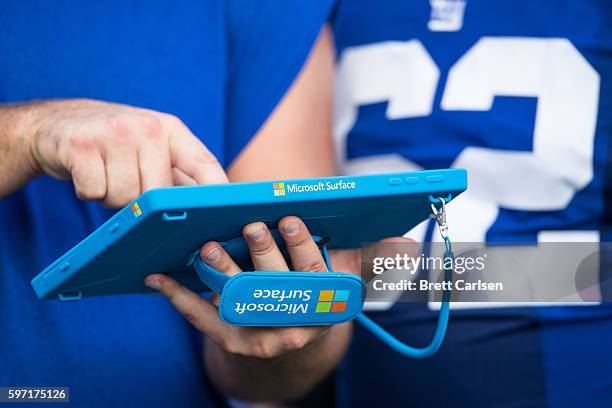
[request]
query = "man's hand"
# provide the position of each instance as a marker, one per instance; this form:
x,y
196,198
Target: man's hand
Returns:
x,y
266,350
305,256
262,342
111,152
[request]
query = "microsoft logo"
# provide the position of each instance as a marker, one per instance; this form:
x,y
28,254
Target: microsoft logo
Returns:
x,y
279,189
136,211
332,301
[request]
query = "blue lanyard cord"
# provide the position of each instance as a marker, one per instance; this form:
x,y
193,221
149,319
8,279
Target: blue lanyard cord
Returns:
x,y
443,315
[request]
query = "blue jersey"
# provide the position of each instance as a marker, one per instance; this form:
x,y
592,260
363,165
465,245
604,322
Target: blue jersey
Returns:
x,y
219,66
520,94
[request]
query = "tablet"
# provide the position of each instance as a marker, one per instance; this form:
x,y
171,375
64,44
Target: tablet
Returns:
x,y
161,230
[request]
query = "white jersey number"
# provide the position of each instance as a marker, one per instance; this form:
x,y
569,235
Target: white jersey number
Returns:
x,y
552,70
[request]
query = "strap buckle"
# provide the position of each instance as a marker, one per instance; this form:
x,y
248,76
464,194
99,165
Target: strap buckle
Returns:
x,y
439,214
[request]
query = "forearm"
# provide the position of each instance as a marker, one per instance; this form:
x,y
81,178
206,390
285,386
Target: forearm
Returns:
x,y
282,378
17,165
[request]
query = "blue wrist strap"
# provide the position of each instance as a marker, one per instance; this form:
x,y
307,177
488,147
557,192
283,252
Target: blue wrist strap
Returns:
x,y
312,298
262,298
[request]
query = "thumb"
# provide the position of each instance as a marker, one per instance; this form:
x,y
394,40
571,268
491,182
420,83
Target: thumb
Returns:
x,y
199,312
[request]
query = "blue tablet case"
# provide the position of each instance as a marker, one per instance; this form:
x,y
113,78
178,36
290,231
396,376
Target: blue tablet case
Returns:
x,y
162,230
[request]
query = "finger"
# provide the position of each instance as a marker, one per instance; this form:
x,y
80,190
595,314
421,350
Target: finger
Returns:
x,y
122,174
264,252
181,179
267,343
295,338
190,155
303,251
216,257
203,315
360,261
215,299
154,161
89,176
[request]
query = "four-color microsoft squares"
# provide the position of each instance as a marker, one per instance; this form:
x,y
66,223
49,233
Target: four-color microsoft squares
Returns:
x,y
332,301
136,211
279,189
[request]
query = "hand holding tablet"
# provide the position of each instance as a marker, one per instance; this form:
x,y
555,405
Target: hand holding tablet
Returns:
x,y
304,255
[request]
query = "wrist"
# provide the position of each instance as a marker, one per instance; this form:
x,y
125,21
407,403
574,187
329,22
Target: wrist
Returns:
x,y
21,123
31,115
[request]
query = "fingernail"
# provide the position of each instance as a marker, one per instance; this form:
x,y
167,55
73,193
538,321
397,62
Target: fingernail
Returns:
x,y
212,255
291,228
257,235
153,283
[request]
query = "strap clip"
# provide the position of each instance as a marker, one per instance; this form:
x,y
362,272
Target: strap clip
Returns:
x,y
439,214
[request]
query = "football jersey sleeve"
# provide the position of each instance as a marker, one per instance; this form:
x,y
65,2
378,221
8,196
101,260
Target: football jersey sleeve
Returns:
x,y
268,43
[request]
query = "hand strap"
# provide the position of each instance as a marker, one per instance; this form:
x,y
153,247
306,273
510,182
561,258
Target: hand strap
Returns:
x,y
260,298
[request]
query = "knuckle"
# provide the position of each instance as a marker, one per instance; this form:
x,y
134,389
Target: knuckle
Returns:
x,y
314,266
224,266
263,248
82,141
170,293
117,127
199,160
262,348
233,345
151,126
229,346
191,314
189,317
205,158
173,120
90,193
294,340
